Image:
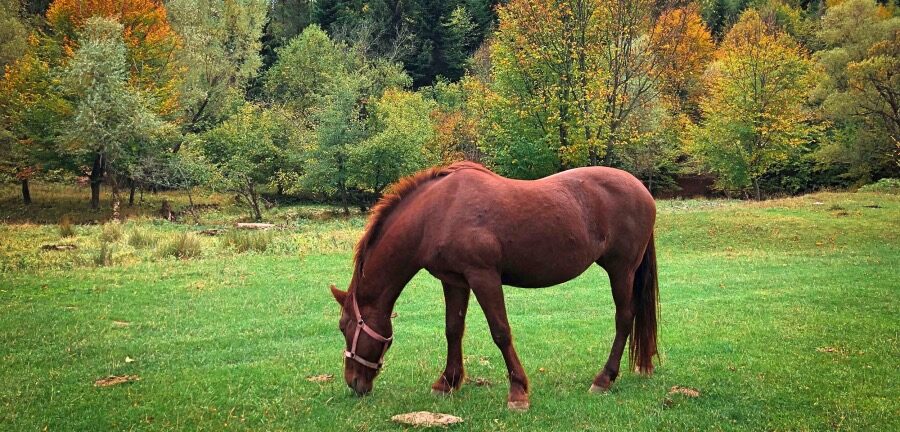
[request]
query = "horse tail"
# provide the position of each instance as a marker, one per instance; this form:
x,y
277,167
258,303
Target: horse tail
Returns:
x,y
642,344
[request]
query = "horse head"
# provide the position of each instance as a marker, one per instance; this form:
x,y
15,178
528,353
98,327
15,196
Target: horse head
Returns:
x,y
364,346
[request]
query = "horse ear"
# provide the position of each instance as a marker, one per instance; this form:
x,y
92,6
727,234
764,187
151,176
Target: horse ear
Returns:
x,y
339,295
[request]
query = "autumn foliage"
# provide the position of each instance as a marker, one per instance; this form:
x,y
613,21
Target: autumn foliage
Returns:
x,y
150,40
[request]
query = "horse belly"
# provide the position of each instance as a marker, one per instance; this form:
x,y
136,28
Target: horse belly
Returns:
x,y
552,259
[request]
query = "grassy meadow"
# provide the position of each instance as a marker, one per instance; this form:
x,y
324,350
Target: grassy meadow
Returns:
x,y
782,314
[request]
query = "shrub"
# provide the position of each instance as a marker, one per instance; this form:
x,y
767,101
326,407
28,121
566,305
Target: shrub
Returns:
x,y
182,246
65,227
139,238
885,185
243,241
112,232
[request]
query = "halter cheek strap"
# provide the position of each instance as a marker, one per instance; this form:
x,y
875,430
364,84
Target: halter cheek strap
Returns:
x,y
361,326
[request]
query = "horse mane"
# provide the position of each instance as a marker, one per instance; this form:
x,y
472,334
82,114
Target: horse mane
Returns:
x,y
391,199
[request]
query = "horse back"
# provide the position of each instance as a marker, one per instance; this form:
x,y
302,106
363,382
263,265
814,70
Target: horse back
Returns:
x,y
535,233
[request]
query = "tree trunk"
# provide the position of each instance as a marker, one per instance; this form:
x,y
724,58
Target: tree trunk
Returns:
x,y
593,157
756,186
608,158
131,194
254,201
344,200
116,201
193,211
96,178
26,192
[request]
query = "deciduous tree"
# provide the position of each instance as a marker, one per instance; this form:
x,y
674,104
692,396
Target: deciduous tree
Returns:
x,y
113,122
861,90
755,112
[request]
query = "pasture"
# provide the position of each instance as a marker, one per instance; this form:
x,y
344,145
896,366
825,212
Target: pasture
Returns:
x,y
782,315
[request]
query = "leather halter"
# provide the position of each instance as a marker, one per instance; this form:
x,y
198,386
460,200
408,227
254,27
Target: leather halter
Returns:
x,y
361,326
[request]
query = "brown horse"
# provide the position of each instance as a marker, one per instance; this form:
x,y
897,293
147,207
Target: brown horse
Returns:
x,y
477,231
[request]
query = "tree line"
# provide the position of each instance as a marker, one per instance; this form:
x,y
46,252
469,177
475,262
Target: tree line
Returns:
x,y
338,99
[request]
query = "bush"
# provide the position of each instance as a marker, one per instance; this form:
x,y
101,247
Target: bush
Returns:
x,y
112,232
139,238
885,185
243,241
65,227
182,246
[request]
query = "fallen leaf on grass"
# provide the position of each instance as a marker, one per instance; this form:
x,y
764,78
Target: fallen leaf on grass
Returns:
x,y
128,359
687,391
320,378
426,419
480,382
121,324
115,380
828,349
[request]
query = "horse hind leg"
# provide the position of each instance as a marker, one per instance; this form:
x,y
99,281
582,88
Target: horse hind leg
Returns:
x,y
622,282
489,292
456,298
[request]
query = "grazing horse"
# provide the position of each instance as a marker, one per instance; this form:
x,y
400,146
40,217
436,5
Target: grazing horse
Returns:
x,y
477,231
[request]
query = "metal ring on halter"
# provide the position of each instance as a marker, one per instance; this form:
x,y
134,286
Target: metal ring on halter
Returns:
x,y
361,326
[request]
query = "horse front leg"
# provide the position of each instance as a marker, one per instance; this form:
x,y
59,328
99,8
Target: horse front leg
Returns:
x,y
489,293
456,298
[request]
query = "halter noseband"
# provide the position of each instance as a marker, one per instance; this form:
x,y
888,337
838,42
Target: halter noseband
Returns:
x,y
361,326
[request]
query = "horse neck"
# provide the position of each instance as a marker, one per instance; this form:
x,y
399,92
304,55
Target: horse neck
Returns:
x,y
388,265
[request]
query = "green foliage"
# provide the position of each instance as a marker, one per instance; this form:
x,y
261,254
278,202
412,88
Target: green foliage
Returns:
x,y
885,185
755,112
244,241
307,70
111,118
13,32
248,150
429,38
181,246
859,92
401,132
219,54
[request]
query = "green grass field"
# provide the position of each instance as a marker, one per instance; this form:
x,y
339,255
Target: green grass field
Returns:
x,y
784,315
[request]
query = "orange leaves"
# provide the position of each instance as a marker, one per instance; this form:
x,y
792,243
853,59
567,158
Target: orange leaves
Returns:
x,y
146,31
684,48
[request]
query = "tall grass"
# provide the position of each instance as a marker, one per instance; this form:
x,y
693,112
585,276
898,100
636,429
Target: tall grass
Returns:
x,y
112,232
140,238
182,246
243,241
65,227
103,257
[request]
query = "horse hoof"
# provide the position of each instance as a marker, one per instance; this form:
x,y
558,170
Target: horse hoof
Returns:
x,y
597,389
518,405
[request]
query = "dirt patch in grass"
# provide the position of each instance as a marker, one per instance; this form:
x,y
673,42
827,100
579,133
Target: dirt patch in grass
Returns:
x,y
116,380
426,419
